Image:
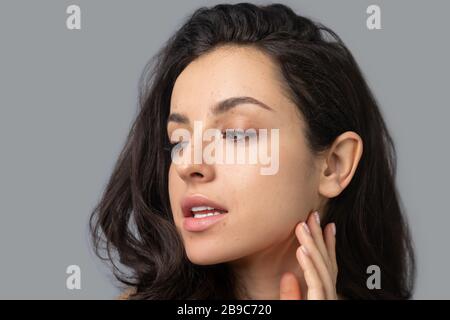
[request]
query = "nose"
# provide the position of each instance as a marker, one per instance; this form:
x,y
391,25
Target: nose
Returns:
x,y
191,172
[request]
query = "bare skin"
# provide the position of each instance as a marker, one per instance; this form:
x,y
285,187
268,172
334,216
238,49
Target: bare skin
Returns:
x,y
262,237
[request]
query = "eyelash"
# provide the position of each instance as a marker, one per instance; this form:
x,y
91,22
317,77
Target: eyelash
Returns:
x,y
233,132
169,147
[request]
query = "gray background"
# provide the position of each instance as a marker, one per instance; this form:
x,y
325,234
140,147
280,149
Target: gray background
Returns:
x,y
68,98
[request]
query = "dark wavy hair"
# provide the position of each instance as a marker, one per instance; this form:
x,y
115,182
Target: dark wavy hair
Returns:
x,y
132,225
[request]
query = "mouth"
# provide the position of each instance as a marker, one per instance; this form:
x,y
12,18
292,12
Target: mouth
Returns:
x,y
199,206
200,212
203,211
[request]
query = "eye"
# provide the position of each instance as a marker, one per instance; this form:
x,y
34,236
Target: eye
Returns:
x,y
175,146
237,134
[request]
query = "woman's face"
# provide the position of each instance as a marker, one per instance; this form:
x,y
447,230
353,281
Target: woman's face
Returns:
x,y
263,210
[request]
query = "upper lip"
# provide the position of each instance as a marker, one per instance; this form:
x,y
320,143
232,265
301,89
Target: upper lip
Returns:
x,y
187,203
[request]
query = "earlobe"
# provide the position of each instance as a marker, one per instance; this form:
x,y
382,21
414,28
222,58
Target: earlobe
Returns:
x,y
340,163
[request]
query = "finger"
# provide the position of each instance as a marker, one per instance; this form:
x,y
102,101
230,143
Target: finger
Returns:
x,y
289,287
317,234
330,240
313,281
304,235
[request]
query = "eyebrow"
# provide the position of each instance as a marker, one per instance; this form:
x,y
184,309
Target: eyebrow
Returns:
x,y
221,107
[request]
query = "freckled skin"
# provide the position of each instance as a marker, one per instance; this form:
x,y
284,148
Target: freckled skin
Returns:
x,y
263,210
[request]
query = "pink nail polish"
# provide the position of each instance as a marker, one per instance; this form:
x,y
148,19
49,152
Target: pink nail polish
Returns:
x,y
333,227
305,226
317,216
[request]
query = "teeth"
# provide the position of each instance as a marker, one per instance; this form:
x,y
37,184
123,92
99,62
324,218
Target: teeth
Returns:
x,y
202,215
201,208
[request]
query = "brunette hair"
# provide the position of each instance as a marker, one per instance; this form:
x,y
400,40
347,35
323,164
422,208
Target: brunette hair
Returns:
x,y
132,225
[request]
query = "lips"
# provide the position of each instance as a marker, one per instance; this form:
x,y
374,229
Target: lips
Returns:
x,y
198,200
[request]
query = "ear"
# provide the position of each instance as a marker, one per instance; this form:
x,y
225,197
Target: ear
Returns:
x,y
340,163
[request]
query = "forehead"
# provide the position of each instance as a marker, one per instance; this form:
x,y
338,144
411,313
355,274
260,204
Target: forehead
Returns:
x,y
225,72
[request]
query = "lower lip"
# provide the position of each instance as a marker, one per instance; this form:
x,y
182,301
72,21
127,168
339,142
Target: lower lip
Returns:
x,y
200,224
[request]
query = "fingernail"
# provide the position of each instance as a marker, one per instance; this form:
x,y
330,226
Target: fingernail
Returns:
x,y
333,227
305,251
305,226
316,215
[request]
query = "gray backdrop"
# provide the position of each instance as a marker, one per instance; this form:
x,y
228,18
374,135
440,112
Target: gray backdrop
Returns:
x,y
68,98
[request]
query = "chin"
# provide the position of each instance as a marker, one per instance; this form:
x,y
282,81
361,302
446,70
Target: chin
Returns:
x,y
210,254
204,259
206,255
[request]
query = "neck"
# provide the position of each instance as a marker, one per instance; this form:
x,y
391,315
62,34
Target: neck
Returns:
x,y
259,274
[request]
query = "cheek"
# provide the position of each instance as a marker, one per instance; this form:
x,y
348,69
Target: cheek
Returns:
x,y
272,204
175,191
171,176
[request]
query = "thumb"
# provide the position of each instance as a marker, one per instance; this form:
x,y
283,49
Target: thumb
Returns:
x,y
289,287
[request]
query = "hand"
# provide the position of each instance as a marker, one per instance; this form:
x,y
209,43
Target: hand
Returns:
x,y
317,258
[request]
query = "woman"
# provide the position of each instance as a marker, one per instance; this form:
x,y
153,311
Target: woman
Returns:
x,y
312,228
